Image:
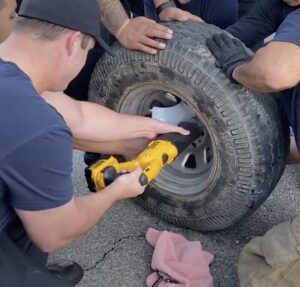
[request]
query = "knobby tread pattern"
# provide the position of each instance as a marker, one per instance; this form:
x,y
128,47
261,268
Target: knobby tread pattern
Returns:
x,y
250,132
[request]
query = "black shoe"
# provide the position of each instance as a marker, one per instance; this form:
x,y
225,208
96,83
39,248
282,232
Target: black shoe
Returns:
x,y
72,273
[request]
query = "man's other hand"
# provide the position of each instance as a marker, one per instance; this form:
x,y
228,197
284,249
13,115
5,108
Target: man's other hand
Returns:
x,y
176,14
128,185
139,34
229,52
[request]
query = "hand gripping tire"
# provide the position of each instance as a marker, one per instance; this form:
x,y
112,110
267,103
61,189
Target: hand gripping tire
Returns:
x,y
235,165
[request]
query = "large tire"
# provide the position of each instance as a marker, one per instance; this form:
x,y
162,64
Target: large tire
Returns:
x,y
246,132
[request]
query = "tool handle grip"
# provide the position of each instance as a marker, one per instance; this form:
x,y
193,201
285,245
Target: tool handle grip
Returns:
x,y
110,175
143,179
89,180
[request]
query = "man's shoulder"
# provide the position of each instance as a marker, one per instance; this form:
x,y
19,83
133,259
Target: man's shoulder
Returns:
x,y
12,79
25,115
19,99
289,30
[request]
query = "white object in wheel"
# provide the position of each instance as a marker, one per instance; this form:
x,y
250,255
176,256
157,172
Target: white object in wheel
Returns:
x,y
173,115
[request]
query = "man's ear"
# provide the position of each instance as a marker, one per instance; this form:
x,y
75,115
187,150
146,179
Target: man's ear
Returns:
x,y
73,43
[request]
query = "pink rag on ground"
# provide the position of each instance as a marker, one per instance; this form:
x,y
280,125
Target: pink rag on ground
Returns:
x,y
183,260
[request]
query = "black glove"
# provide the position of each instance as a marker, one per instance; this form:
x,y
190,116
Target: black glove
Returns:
x,y
229,52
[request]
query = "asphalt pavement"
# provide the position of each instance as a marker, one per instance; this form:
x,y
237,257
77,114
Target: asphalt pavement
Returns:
x,y
116,254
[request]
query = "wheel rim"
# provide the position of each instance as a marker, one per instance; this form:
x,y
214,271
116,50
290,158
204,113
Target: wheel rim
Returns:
x,y
194,169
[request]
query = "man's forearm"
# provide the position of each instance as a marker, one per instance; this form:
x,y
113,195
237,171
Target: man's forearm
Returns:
x,y
116,147
251,76
274,68
90,209
102,124
95,123
113,15
254,76
125,147
79,215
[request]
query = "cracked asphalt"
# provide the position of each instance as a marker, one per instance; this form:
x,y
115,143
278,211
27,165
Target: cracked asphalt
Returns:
x,y
116,254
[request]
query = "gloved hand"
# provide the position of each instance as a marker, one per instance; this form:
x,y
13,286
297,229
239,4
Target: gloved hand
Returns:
x,y
229,52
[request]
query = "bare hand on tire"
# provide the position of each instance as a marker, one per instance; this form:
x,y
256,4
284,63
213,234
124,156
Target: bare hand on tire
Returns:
x,y
139,33
176,14
292,2
128,185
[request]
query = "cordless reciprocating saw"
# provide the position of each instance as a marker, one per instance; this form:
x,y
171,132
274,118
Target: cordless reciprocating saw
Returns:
x,y
160,152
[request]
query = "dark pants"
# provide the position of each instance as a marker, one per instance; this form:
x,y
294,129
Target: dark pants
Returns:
x,y
78,88
263,20
221,13
22,264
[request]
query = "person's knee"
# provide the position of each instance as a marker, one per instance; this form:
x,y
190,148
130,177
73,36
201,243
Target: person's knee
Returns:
x,y
273,259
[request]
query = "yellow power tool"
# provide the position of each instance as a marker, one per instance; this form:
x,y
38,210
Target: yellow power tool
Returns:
x,y
160,152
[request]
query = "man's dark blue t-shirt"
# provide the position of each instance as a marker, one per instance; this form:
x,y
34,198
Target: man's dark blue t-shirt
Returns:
x,y
35,149
289,31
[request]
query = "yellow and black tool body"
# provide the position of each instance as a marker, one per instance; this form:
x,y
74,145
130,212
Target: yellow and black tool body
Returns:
x,y
159,153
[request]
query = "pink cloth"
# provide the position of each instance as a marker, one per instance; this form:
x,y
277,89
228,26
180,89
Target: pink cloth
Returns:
x,y
183,260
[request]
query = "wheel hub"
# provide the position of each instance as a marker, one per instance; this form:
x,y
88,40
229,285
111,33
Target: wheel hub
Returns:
x,y
192,171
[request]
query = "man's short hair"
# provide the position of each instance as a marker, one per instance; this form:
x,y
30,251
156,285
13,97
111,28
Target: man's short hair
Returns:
x,y
44,31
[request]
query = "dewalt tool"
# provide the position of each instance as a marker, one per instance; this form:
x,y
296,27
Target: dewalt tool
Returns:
x,y
160,152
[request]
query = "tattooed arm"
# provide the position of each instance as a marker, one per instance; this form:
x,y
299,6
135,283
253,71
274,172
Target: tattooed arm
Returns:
x,y
136,33
113,15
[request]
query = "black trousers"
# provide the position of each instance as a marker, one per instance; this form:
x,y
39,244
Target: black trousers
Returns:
x,y
263,20
22,264
79,87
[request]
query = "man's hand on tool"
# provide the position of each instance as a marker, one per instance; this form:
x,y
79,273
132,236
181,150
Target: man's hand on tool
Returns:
x,y
229,52
160,152
139,33
128,185
176,14
83,118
